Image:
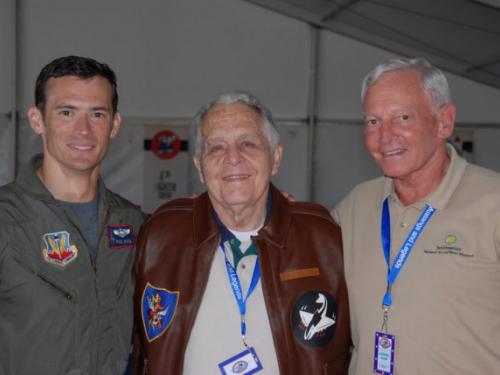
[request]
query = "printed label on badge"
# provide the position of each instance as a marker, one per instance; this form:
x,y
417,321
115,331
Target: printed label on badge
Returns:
x,y
243,363
158,310
385,344
121,236
314,318
58,248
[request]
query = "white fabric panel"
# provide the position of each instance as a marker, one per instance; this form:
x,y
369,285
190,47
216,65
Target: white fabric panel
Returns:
x,y
292,174
28,143
122,169
173,56
5,175
344,63
341,162
487,148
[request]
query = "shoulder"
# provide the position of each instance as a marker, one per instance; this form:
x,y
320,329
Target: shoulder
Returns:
x,y
174,210
309,219
14,203
119,203
177,205
368,187
310,210
364,195
177,213
365,192
483,175
478,185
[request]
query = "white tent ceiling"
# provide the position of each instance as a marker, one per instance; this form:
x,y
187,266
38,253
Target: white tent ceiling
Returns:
x,y
460,36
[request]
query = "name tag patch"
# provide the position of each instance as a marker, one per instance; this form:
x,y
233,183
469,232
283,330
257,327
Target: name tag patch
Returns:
x,y
120,236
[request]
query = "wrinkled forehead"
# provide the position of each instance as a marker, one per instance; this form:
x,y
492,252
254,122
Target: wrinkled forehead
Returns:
x,y
231,117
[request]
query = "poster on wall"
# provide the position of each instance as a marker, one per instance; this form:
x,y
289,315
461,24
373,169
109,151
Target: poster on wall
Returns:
x,y
166,164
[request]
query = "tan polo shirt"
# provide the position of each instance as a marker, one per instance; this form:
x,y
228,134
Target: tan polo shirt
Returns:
x,y
446,300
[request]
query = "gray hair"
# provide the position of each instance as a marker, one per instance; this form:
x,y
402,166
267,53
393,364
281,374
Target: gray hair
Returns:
x,y
250,100
433,81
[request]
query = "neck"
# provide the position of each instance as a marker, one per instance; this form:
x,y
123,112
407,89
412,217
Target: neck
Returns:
x,y
242,219
75,188
418,185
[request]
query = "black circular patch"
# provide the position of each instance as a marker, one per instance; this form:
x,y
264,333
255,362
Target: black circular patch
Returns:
x,y
314,318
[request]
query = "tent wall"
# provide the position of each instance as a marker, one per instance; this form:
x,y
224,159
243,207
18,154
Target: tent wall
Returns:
x,y
7,89
172,56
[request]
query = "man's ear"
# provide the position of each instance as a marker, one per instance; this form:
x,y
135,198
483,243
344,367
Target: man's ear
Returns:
x,y
197,164
117,122
277,155
446,117
35,118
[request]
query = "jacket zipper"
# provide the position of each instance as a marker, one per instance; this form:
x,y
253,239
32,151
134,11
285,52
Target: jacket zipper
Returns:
x,y
94,361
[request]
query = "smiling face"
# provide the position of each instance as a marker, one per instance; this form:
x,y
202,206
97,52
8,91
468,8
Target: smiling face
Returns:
x,y
404,134
236,161
76,124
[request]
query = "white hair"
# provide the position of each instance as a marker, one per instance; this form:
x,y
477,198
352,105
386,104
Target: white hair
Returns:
x,y
433,81
250,100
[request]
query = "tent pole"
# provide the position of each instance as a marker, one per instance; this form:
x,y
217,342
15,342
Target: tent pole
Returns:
x,y
311,111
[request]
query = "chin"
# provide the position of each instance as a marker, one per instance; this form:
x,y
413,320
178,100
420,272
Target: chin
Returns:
x,y
236,199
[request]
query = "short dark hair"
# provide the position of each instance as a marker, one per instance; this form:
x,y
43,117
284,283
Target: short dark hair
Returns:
x,y
81,67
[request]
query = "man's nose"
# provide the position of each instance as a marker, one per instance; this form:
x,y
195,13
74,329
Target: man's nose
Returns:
x,y
233,155
82,124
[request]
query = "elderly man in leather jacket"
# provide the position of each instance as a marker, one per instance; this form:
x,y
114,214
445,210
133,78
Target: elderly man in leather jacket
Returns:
x,y
239,280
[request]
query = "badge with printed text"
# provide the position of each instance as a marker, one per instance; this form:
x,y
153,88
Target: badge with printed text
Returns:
x,y
158,310
244,363
383,362
58,249
314,318
121,236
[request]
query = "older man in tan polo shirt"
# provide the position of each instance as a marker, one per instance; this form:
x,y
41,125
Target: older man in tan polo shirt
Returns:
x,y
422,243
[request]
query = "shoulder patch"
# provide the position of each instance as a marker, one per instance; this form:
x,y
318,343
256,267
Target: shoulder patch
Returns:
x,y
158,310
314,318
58,249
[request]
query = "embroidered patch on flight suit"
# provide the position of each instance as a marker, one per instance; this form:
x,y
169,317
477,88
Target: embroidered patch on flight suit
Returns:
x,y
158,310
121,236
314,318
58,249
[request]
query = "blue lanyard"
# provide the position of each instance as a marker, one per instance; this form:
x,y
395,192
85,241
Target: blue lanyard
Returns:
x,y
235,283
404,252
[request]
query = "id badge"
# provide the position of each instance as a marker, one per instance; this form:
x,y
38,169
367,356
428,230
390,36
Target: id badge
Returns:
x,y
385,345
243,363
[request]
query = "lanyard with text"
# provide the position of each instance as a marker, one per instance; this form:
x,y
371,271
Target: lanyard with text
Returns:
x,y
402,255
235,283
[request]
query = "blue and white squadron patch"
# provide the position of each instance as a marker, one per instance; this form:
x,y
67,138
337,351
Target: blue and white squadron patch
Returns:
x,y
121,236
158,310
58,249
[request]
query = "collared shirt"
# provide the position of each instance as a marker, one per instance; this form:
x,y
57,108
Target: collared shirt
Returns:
x,y
446,302
216,333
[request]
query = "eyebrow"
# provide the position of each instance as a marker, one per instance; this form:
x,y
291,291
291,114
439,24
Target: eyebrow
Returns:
x,y
70,106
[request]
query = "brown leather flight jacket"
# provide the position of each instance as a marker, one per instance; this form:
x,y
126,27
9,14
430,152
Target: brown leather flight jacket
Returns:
x,y
299,250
